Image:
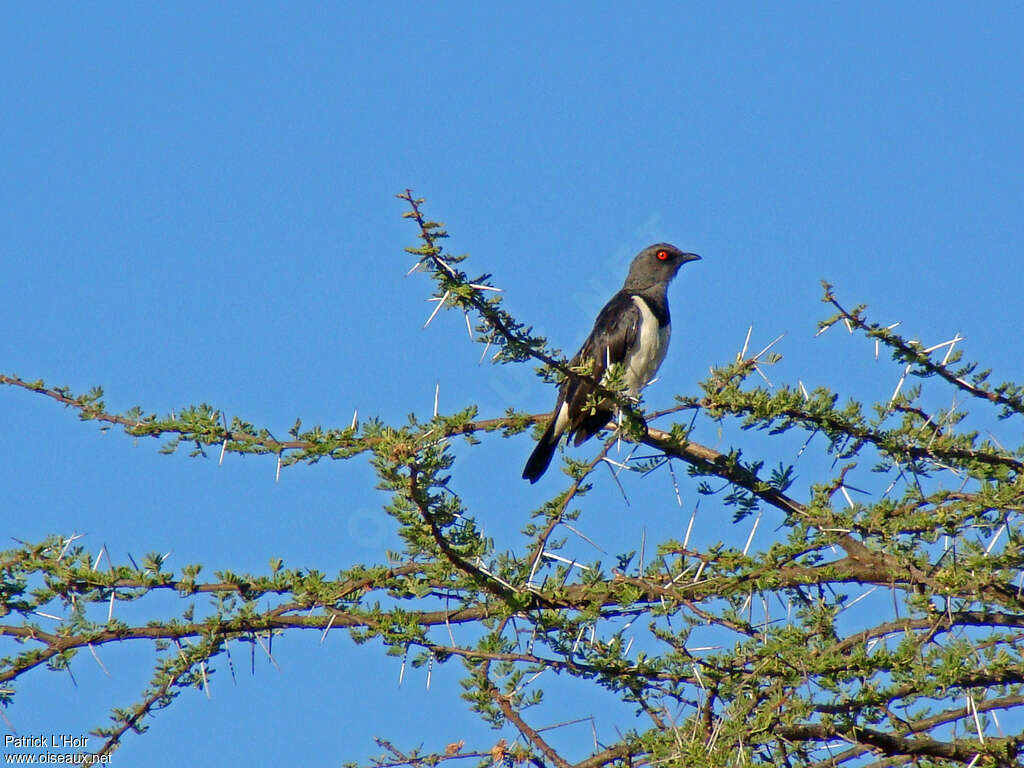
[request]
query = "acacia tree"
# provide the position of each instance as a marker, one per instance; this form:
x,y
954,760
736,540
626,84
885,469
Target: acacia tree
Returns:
x,y
933,678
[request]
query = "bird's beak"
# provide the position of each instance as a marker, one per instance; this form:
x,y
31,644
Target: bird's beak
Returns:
x,y
690,257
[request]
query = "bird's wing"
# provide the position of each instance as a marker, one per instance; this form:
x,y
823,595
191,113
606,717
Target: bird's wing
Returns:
x,y
615,331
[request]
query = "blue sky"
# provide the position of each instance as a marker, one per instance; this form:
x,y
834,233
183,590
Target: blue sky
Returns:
x,y
199,206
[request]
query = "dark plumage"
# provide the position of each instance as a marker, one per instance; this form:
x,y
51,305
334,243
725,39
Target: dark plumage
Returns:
x,y
632,329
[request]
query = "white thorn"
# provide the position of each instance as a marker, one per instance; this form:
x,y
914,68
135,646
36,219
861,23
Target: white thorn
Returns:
x,y
753,530
949,351
267,651
899,386
582,536
942,344
67,543
440,303
700,681
689,528
444,265
846,495
327,628
224,445
977,721
486,347
859,598
93,652
571,563
995,719
206,683
771,344
579,635
643,546
675,483
615,463
743,352
536,563
992,543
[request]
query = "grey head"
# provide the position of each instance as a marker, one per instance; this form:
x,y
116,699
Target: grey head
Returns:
x,y
655,266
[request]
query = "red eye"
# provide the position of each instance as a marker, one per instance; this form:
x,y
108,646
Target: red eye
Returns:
x,y
662,255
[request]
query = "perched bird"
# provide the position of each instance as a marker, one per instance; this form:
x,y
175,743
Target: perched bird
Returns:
x,y
632,329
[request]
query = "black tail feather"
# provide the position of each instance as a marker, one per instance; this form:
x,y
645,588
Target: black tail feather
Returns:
x,y
542,454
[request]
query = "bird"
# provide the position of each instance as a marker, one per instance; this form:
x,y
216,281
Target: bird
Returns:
x,y
633,329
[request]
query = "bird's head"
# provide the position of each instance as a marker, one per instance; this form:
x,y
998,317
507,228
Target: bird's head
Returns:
x,y
656,265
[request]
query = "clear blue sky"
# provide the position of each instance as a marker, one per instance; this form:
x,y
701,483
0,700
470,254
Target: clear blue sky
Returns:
x,y
198,205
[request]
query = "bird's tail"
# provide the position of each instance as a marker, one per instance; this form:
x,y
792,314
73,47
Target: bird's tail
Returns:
x,y
539,460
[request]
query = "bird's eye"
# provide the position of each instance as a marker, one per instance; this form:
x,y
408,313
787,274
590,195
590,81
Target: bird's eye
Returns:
x,y
662,255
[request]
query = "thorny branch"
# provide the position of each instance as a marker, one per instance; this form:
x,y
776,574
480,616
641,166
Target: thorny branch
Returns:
x,y
779,689
1011,397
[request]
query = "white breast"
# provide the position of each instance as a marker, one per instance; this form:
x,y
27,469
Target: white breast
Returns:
x,y
649,351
